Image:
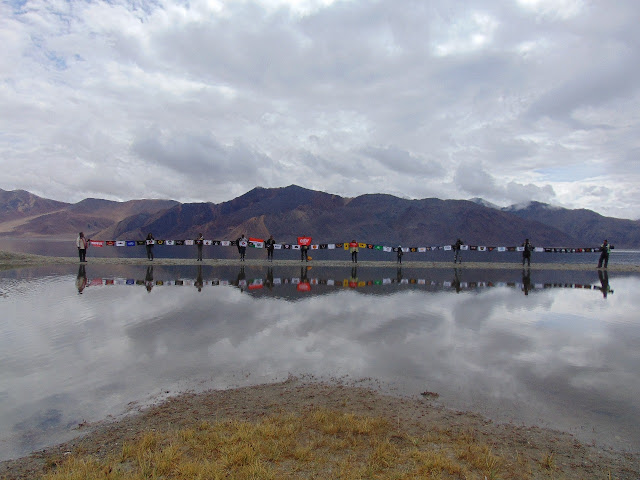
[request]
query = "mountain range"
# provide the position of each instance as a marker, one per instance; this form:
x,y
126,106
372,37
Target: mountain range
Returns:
x,y
292,211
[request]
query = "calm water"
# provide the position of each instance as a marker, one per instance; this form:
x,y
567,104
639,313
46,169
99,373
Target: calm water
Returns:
x,y
553,348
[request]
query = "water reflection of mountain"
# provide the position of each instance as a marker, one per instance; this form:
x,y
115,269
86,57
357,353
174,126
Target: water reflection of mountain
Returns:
x,y
293,283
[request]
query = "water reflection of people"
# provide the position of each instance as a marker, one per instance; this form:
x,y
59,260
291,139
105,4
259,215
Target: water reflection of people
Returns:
x,y
456,279
605,288
399,274
148,279
269,279
81,280
526,280
241,281
304,285
199,282
353,281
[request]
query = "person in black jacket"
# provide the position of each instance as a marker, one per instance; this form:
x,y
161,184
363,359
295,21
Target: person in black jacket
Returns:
x,y
270,244
456,248
526,253
199,242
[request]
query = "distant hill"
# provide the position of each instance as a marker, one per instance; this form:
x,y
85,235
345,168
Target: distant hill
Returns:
x,y
23,214
19,204
581,223
289,212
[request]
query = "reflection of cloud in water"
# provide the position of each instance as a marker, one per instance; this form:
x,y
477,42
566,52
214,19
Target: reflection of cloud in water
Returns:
x,y
564,355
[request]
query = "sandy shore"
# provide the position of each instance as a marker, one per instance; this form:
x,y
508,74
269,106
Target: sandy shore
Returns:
x,y
413,416
15,260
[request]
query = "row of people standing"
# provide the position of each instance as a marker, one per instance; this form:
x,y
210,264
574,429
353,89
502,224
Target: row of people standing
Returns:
x,y
82,243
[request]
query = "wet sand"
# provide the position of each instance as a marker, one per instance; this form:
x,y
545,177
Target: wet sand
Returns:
x,y
522,445
16,260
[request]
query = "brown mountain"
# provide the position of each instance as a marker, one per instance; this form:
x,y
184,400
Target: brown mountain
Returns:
x,y
20,204
23,214
289,212
582,223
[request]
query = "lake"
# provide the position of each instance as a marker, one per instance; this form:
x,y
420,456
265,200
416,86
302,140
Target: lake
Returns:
x,y
550,348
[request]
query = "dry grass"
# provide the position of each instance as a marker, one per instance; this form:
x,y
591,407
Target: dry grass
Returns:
x,y
320,444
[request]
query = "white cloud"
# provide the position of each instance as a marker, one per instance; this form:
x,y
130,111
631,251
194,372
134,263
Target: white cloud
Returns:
x,y
494,100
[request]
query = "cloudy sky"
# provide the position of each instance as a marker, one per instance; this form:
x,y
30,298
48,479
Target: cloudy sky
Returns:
x,y
203,100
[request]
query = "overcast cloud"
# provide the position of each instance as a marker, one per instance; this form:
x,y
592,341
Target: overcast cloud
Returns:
x,y
204,100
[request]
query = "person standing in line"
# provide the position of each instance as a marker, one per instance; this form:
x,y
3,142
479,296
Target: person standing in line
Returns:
x,y
605,249
456,248
242,246
353,248
81,279
400,253
304,253
199,244
526,253
270,244
82,244
150,241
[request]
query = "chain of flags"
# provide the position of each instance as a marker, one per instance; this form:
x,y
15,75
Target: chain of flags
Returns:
x,y
259,243
305,284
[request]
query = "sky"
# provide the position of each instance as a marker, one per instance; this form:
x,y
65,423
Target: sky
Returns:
x,y
203,100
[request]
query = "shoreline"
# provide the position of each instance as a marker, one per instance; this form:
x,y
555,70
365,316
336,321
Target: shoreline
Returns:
x,y
19,260
524,446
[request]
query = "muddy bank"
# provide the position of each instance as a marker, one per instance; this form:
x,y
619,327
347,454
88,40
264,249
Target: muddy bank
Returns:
x,y
413,416
17,260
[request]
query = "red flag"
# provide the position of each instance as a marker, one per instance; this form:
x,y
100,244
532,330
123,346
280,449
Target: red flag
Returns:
x,y
304,241
304,287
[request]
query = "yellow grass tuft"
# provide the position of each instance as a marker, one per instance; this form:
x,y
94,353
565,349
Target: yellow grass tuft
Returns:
x,y
318,444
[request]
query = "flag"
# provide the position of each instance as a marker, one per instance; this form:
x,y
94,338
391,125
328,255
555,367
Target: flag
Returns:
x,y
111,243
502,249
378,247
179,242
387,249
306,241
362,245
207,242
190,242
121,243
464,247
225,243
151,242
277,246
96,243
324,246
347,246
314,247
447,247
519,249
256,242
338,245
295,247
482,249
131,243
141,242
169,242
370,246
331,246
422,249
304,287
538,249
